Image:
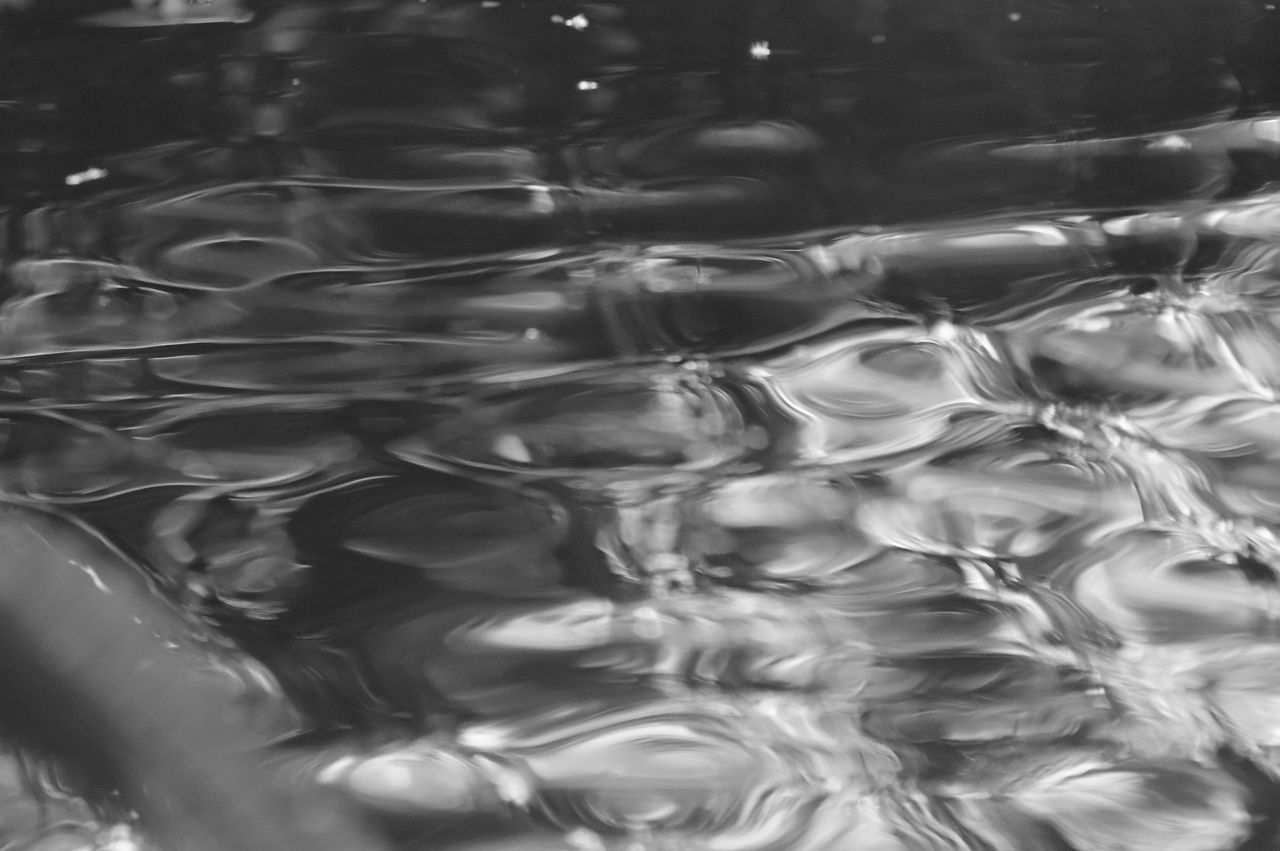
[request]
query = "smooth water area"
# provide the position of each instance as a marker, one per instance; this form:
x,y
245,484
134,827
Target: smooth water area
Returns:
x,y
650,426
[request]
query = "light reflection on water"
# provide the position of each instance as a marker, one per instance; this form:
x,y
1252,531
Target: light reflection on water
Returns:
x,y
512,425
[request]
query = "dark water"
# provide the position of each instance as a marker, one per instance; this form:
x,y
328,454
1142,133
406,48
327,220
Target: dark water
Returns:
x,y
648,426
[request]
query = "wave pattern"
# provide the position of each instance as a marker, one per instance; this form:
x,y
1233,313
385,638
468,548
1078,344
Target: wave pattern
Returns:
x,y
564,430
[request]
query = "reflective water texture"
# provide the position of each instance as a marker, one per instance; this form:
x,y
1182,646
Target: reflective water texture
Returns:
x,y
647,426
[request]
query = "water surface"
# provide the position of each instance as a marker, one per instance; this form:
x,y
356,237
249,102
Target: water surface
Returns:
x,y
641,426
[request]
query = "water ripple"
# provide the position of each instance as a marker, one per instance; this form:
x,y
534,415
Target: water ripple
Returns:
x,y
622,427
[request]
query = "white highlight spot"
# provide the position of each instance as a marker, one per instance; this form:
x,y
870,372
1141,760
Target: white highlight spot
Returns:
x,y
1172,142
334,772
582,839
511,447
579,22
118,838
760,51
1015,16
542,201
382,779
93,576
587,85
85,176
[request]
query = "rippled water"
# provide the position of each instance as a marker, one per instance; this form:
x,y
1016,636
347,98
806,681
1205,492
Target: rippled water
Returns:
x,y
647,426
